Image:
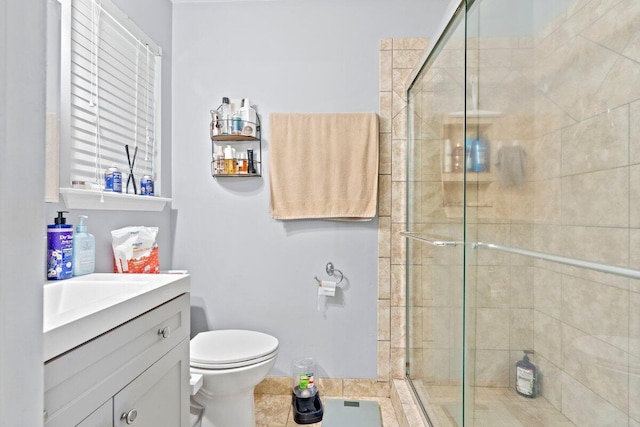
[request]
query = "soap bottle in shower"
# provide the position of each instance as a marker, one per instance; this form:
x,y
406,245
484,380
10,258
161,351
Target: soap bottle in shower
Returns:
x,y
526,376
480,155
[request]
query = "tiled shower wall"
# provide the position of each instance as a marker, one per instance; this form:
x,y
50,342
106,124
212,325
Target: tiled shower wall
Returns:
x,y
398,57
587,206
571,97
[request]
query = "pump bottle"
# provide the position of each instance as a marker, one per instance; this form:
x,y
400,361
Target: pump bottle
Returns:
x,y
59,248
526,376
84,249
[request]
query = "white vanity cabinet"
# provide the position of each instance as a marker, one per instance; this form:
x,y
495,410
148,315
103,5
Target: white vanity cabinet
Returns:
x,y
135,374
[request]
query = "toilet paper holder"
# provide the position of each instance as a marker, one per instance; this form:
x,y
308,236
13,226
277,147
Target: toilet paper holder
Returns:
x,y
332,272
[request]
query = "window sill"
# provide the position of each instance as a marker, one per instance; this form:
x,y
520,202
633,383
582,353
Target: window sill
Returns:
x,y
75,198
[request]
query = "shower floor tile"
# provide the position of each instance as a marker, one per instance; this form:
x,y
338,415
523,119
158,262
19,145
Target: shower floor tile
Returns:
x,y
495,407
276,411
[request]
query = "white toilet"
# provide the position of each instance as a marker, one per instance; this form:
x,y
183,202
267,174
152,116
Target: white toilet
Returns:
x,y
232,362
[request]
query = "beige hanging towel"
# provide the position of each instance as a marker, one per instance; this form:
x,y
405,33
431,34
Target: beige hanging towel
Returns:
x,y
323,165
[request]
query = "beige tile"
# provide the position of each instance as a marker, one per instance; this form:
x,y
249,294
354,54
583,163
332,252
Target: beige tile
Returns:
x,y
492,328
272,410
398,159
551,386
384,237
601,142
634,133
598,244
634,388
398,201
384,163
383,367
599,310
548,292
634,324
384,320
384,278
398,327
386,71
399,124
384,195
634,195
521,329
384,113
398,244
586,408
397,362
398,279
369,388
406,58
414,43
600,367
548,338
494,285
386,44
492,368
401,82
330,387
274,386
608,204
548,201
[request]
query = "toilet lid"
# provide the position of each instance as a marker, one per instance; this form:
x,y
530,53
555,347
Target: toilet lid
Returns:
x,y
231,348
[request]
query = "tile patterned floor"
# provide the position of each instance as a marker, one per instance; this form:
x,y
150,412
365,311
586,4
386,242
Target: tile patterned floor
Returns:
x,y
276,410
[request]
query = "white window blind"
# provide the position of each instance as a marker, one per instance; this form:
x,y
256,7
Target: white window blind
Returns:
x,y
109,94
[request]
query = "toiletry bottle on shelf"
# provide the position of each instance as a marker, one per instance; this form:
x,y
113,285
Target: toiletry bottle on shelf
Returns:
x,y
225,116
218,161
448,159
249,118
458,158
59,248
242,163
468,154
251,164
84,249
526,376
480,155
236,123
230,165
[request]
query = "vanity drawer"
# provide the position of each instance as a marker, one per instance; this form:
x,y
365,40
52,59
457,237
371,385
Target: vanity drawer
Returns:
x,y
90,374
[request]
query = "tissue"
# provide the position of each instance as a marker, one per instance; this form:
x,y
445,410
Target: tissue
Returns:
x,y
325,289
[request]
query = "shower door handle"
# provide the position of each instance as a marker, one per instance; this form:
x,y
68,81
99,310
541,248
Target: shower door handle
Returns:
x,y
426,239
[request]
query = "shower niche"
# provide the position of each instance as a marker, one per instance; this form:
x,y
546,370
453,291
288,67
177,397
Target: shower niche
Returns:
x,y
478,192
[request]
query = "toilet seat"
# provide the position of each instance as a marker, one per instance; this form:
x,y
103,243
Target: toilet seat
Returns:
x,y
231,348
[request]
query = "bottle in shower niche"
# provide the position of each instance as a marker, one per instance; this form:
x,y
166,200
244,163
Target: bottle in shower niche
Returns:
x,y
458,158
526,376
468,153
225,117
480,155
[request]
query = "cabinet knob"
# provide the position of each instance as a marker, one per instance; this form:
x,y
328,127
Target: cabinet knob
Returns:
x,y
130,416
164,332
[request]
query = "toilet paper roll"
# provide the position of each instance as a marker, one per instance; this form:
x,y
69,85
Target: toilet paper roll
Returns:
x,y
327,288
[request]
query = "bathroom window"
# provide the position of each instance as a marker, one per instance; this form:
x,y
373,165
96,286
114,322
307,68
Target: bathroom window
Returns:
x,y
109,96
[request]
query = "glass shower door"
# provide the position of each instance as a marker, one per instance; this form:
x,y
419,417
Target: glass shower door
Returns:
x,y
435,228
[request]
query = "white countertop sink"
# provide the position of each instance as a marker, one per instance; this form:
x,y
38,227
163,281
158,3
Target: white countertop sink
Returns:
x,y
79,309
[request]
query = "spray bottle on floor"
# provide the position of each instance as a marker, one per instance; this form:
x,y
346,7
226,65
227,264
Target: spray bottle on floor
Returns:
x,y
526,376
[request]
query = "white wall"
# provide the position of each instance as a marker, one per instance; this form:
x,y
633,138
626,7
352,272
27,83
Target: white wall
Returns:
x,y
155,19
249,271
24,215
22,89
